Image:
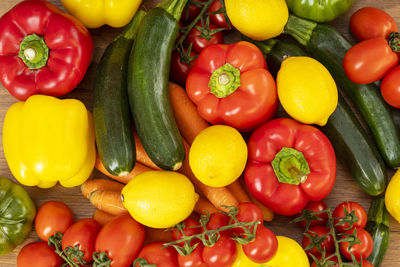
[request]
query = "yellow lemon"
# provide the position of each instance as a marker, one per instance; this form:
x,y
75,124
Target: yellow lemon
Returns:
x,y
258,19
392,196
159,199
218,155
306,90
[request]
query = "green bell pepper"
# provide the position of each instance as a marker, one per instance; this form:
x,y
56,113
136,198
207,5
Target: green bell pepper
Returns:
x,y
17,212
319,10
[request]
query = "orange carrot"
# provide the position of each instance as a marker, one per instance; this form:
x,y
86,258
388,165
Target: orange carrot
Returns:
x,y
203,206
238,191
141,154
189,122
100,185
108,201
157,235
218,196
139,168
102,217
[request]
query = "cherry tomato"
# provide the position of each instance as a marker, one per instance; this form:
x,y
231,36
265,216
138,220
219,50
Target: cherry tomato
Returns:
x,y
217,220
367,264
191,228
121,238
390,87
370,22
154,253
315,206
334,259
191,11
82,234
193,260
218,19
221,254
179,69
350,206
53,217
38,254
248,212
199,42
328,245
263,247
364,249
369,60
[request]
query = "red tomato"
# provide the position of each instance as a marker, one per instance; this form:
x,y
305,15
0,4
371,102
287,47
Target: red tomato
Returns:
x,y
390,87
82,234
350,206
52,217
218,19
334,259
364,249
179,70
199,42
121,239
38,254
193,260
154,253
328,245
315,206
370,22
367,264
248,212
221,254
191,11
191,228
369,60
263,247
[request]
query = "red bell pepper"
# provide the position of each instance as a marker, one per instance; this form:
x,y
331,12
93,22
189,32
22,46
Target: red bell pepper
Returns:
x,y
289,164
42,50
230,84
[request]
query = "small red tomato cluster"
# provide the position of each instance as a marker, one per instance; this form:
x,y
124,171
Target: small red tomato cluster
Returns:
x,y
345,229
376,56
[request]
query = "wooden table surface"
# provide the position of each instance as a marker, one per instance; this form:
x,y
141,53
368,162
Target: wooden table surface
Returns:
x,y
345,189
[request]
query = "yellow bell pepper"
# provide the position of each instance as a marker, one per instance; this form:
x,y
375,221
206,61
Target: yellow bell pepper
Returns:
x,y
96,13
47,140
289,253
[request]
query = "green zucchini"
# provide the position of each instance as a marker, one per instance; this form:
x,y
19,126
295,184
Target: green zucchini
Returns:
x,y
328,46
148,76
112,118
353,147
378,227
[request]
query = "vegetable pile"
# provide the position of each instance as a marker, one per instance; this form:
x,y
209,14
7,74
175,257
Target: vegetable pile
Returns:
x,y
205,126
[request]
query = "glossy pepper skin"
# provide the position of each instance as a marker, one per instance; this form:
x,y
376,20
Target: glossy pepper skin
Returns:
x,y
300,155
17,212
47,140
319,10
230,84
42,50
96,13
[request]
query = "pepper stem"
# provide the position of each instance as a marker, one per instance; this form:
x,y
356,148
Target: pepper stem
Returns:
x,y
394,41
34,52
290,166
224,80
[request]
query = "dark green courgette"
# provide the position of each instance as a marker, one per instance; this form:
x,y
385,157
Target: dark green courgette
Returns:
x,y
378,227
112,117
328,46
148,85
353,147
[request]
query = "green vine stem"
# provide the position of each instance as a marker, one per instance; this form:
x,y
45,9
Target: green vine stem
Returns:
x,y
68,257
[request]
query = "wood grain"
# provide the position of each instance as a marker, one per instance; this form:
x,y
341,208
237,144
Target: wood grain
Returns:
x,y
345,189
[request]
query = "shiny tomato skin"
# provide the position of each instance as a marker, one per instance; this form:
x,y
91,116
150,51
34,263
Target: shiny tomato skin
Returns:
x,y
219,18
82,233
191,228
38,254
369,60
315,206
328,245
248,212
154,253
53,217
263,248
121,238
179,70
371,22
190,12
364,249
221,254
390,87
350,206
199,43
367,264
193,260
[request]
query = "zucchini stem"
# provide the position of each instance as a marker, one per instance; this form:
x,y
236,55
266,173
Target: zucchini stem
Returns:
x,y
131,29
173,7
300,29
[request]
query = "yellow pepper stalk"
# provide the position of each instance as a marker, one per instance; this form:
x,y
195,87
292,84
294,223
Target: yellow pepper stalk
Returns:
x,y
96,13
47,140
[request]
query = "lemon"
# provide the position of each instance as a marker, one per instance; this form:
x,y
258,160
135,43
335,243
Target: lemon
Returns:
x,y
392,196
218,155
159,199
306,90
